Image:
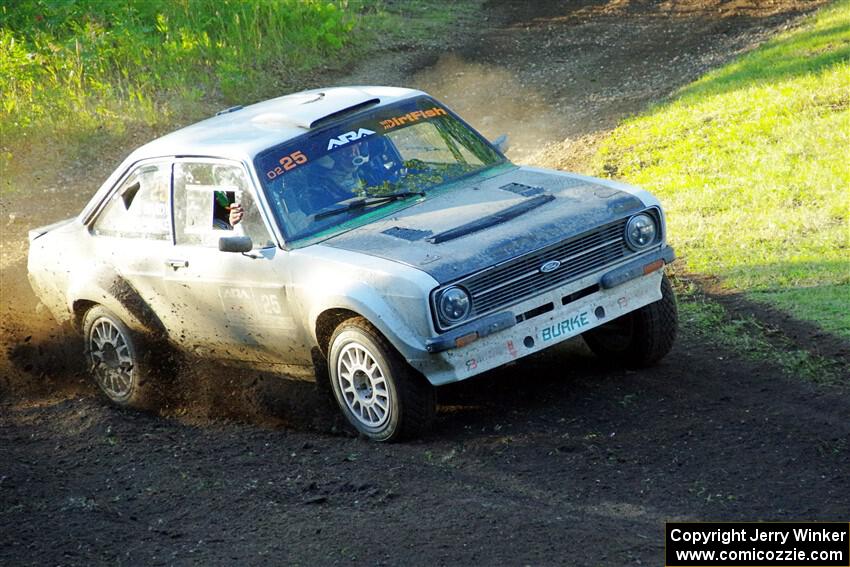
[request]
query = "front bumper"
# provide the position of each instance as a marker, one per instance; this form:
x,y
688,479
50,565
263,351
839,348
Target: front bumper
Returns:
x,y
541,322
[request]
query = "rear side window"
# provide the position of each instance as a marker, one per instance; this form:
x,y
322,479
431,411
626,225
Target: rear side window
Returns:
x,y
139,209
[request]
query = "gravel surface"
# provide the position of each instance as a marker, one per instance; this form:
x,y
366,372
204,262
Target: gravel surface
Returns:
x,y
557,459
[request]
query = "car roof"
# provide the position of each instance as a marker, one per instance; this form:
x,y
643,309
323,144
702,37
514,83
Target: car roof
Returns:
x,y
242,132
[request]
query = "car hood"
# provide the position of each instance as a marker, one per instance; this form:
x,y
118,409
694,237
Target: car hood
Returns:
x,y
467,229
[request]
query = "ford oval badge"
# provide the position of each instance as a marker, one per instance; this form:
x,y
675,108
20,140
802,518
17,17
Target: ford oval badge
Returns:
x,y
550,266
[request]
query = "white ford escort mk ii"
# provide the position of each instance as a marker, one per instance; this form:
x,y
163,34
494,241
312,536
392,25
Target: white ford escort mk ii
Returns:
x,y
366,235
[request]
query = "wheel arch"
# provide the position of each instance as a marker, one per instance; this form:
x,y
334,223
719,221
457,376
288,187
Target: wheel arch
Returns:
x,y
79,308
368,304
327,322
108,288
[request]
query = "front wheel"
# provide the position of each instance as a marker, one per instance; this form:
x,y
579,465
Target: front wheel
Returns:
x,y
379,394
642,337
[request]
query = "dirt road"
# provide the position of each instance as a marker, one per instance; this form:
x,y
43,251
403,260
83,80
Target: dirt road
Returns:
x,y
559,459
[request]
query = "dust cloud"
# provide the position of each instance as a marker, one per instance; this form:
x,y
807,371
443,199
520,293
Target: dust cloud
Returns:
x,y
494,102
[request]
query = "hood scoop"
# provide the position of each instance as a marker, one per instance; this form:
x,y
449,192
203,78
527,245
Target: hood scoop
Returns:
x,y
520,189
409,234
491,220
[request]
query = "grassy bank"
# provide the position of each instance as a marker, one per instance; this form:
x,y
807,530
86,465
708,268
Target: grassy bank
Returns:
x,y
87,75
69,69
751,162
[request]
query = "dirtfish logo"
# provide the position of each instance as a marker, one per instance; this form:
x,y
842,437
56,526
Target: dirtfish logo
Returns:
x,y
343,139
566,326
412,117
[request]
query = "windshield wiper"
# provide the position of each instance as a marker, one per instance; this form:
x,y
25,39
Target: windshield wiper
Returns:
x,y
365,202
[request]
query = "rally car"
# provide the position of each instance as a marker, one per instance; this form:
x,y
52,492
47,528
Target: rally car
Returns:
x,y
364,235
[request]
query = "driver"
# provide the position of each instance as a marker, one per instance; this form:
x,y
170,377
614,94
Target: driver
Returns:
x,y
227,212
338,176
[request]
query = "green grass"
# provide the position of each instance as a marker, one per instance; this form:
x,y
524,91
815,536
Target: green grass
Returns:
x,y
78,77
752,163
93,51
74,71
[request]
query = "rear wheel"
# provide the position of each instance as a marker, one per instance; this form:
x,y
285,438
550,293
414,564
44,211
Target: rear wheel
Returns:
x,y
379,394
642,337
112,352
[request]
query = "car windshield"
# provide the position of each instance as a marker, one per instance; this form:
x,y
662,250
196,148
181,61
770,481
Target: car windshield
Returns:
x,y
357,168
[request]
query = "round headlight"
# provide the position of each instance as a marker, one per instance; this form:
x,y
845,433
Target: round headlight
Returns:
x,y
453,305
641,231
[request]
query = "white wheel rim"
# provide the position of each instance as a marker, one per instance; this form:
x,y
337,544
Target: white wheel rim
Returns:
x,y
111,359
363,385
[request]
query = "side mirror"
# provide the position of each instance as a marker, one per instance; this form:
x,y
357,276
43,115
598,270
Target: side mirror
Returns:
x,y
235,244
501,143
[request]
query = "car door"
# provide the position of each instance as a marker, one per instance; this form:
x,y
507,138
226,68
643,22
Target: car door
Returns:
x,y
132,234
228,305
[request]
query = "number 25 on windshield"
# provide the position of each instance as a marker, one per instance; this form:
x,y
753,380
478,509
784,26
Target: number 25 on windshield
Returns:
x,y
291,161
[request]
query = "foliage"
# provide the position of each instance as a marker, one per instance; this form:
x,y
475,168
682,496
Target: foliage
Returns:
x,y
751,162
80,65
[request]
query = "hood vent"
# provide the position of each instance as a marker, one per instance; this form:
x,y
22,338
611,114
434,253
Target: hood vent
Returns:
x,y
520,189
410,234
491,220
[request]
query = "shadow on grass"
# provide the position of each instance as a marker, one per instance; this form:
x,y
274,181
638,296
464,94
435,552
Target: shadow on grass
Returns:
x,y
781,327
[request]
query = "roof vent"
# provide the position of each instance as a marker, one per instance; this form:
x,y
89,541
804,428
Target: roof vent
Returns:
x,y
311,109
344,112
229,110
316,98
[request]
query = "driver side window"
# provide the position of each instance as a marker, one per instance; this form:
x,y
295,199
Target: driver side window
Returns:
x,y
204,192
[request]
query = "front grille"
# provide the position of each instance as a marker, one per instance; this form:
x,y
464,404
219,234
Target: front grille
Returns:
x,y
521,277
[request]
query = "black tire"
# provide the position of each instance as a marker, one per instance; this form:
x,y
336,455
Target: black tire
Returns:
x,y
117,360
323,377
409,400
640,338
